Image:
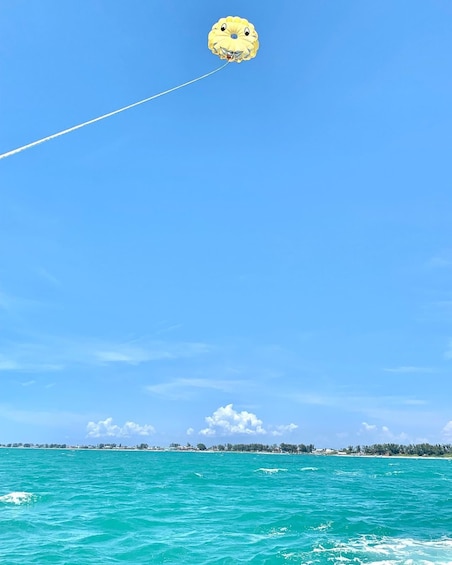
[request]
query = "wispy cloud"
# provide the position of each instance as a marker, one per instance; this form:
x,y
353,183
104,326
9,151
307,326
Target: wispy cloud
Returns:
x,y
106,428
414,402
8,364
442,260
47,353
226,421
178,388
355,403
399,411
12,304
447,430
317,399
5,301
47,418
448,352
153,351
444,304
381,433
48,277
167,329
409,369
20,363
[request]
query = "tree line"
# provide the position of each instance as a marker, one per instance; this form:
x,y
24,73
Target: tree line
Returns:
x,y
259,447
419,449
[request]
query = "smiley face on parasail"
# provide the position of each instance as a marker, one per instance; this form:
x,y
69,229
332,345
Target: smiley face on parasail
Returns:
x,y
233,39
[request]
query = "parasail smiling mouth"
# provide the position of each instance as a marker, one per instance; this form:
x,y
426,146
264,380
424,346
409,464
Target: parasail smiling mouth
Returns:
x,y
231,54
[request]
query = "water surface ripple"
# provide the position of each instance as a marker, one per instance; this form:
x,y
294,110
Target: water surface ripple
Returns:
x,y
101,507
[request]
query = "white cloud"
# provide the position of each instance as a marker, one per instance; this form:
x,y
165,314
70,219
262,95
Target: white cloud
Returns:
x,y
409,369
190,431
281,430
208,432
369,427
383,433
227,421
390,436
447,430
106,428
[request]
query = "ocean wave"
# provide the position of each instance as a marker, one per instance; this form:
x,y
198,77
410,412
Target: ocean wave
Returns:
x,y
270,471
348,473
19,497
159,509
277,532
390,551
322,527
309,469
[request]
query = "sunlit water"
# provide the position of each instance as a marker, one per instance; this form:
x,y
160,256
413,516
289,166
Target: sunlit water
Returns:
x,y
100,507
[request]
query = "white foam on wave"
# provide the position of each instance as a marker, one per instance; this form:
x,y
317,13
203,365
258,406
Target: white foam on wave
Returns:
x,y
276,532
309,469
17,497
270,471
348,473
391,551
289,555
322,527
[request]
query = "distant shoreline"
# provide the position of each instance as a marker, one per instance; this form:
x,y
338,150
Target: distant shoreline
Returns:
x,y
317,453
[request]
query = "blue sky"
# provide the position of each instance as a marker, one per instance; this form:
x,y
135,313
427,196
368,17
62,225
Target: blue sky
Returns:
x,y
263,256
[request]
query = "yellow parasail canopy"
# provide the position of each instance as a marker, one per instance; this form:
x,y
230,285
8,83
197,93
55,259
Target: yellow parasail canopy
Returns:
x,y
234,39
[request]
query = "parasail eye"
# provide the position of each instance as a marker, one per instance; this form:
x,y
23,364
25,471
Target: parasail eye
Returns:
x,y
247,31
223,27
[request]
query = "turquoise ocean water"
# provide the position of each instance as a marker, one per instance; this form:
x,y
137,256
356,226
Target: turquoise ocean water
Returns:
x,y
101,507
